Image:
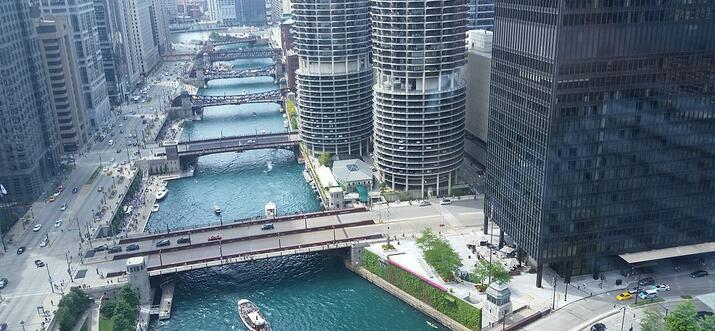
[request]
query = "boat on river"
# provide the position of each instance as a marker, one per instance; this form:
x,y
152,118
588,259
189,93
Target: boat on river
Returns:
x,y
251,316
217,209
155,208
162,193
271,209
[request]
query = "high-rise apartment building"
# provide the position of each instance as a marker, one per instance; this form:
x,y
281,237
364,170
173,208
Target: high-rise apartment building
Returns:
x,y
160,25
481,15
141,35
602,129
63,80
212,10
227,11
85,37
334,76
251,12
29,148
121,72
419,51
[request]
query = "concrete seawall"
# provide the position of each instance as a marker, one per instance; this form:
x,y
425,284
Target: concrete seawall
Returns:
x,y
407,298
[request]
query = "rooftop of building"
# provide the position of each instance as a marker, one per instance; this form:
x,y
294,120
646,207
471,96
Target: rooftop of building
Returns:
x,y
351,170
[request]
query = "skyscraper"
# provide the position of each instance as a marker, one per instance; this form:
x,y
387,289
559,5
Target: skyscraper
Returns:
x,y
602,129
419,50
80,15
251,12
481,15
29,148
63,81
141,35
160,25
334,76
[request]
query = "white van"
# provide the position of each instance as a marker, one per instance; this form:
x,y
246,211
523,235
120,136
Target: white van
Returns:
x,y
111,142
648,294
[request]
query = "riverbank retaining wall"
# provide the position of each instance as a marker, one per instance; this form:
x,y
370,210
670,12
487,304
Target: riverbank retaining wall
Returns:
x,y
450,311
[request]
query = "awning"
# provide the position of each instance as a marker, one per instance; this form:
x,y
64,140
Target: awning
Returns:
x,y
664,253
362,191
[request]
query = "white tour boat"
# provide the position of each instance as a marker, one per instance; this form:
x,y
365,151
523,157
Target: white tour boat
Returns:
x,y
271,209
162,193
155,208
251,316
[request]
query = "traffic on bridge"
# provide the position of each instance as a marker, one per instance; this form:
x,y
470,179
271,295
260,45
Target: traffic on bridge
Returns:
x,y
236,143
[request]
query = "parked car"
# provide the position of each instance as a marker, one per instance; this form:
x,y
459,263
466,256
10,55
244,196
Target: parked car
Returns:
x,y
648,294
214,237
44,242
646,281
624,296
163,243
100,189
75,190
39,263
662,288
58,223
37,227
114,249
634,290
20,250
268,226
63,207
698,274
132,247
424,203
598,327
3,282
445,202
101,248
183,240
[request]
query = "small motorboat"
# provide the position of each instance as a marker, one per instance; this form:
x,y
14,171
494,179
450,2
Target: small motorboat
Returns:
x,y
217,209
432,324
251,316
162,193
155,208
271,209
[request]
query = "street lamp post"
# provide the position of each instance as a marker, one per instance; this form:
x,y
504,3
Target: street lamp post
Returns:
x,y
3,193
49,277
69,267
553,299
22,324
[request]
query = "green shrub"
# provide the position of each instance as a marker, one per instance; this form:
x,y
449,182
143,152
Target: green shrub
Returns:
x,y
125,309
107,309
457,309
439,254
70,307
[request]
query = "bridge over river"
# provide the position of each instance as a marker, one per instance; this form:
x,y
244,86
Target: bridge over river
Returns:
x,y
248,240
195,103
196,148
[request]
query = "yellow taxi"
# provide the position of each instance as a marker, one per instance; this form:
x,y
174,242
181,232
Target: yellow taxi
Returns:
x,y
624,296
53,198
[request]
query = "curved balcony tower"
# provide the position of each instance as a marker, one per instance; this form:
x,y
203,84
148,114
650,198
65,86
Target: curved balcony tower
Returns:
x,y
334,76
419,95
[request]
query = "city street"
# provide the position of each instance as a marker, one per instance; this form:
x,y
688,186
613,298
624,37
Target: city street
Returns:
x,y
29,285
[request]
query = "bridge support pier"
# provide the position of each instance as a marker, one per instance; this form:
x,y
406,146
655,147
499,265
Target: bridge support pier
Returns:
x,y
356,253
139,278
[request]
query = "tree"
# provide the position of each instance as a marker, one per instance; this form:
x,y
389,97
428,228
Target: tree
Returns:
x,y
439,254
128,295
325,159
426,239
682,318
107,310
482,270
706,323
652,320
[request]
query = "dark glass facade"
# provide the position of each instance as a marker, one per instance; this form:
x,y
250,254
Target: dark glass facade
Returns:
x,y
481,15
602,128
251,12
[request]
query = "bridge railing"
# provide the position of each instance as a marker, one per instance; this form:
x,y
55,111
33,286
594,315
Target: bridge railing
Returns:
x,y
243,222
250,256
224,138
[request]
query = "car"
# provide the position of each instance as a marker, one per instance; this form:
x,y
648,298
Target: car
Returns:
x,y
598,327
142,116
58,223
119,150
214,237
648,294
20,250
183,240
424,203
163,243
100,189
60,188
268,226
121,131
114,249
3,326
132,247
698,315
646,281
661,288
64,207
112,160
698,274
114,165
445,202
101,248
44,242
111,142
37,227
3,282
123,162
75,190
624,296
39,263
52,198
125,117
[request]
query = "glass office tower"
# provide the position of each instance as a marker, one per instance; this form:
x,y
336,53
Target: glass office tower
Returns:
x,y
602,129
